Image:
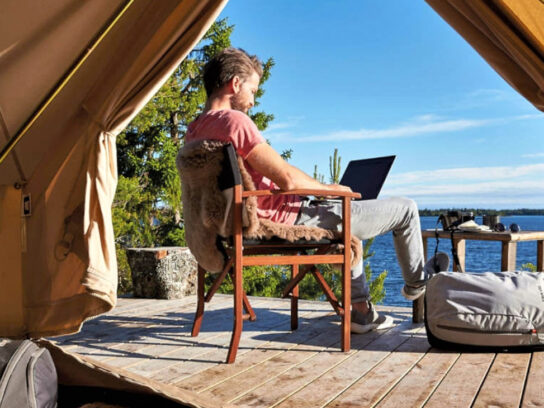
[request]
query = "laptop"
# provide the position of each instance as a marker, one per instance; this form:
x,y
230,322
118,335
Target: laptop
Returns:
x,y
367,176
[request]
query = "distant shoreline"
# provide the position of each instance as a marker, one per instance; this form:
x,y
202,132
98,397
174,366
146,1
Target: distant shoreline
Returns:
x,y
481,211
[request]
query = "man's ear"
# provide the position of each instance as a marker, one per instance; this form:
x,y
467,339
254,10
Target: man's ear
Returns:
x,y
236,83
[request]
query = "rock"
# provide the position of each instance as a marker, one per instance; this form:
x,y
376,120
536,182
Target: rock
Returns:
x,y
163,272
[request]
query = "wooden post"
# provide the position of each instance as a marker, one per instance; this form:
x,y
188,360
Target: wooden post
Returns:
x,y
508,259
460,246
346,275
294,299
418,308
540,256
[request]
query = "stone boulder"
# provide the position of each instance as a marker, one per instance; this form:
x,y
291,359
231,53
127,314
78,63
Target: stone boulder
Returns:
x,y
163,272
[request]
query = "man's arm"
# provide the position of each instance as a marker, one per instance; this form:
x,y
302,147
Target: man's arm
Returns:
x,y
265,160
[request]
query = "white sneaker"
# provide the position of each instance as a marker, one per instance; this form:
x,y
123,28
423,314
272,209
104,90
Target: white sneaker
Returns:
x,y
363,323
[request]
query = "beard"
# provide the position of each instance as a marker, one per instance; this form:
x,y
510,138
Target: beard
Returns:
x,y
237,103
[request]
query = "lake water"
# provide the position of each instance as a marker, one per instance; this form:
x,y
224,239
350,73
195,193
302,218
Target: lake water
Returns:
x,y
481,256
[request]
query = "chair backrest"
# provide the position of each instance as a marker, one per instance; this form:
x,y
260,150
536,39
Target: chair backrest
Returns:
x,y
230,172
208,171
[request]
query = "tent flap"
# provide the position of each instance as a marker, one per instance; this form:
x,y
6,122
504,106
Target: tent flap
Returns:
x,y
65,263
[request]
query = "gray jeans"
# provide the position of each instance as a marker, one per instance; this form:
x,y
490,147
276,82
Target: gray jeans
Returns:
x,y
370,218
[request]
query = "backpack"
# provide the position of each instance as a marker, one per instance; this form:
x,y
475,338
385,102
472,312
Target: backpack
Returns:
x,y
475,311
28,377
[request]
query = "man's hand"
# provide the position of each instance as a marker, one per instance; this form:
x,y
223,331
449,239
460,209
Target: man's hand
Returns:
x,y
337,187
340,187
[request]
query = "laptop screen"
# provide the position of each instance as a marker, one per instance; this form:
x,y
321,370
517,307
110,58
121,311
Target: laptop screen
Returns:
x,y
367,176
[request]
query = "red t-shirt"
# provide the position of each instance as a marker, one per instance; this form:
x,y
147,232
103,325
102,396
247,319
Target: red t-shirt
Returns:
x,y
237,128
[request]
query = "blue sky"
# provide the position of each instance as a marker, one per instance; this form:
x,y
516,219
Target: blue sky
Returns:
x,y
375,78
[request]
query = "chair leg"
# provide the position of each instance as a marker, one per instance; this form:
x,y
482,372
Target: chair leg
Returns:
x,y
200,302
346,303
248,308
245,301
327,291
238,312
294,300
219,280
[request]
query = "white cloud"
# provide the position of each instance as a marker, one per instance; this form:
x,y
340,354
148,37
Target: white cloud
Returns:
x,y
416,128
487,95
488,187
288,124
498,187
419,126
467,173
279,125
533,155
480,98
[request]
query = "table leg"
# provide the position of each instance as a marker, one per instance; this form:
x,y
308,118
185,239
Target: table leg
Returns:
x,y
418,304
460,246
508,261
540,256
425,248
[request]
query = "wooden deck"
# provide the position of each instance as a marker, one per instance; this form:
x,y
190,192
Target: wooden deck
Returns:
x,y
279,368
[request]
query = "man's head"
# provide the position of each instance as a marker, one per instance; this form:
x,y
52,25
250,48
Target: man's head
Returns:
x,y
235,72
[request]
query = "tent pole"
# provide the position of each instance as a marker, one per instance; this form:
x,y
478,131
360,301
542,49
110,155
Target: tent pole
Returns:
x,y
6,150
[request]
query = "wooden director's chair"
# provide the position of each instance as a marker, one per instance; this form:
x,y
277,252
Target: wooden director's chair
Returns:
x,y
245,252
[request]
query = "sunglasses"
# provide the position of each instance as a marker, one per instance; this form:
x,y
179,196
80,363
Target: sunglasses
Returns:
x,y
500,227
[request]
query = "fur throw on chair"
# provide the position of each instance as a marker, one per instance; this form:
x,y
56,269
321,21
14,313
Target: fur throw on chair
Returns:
x,y
207,210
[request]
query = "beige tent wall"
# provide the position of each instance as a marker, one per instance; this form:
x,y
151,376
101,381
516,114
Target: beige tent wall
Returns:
x,y
11,285
508,34
67,159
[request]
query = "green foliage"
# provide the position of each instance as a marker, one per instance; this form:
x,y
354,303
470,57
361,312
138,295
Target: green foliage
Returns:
x,y
319,177
335,167
265,281
147,208
528,267
377,285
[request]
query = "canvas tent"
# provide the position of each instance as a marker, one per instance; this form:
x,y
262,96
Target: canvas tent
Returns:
x,y
508,34
72,75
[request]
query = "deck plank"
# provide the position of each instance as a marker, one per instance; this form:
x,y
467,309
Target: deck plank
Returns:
x,y
534,390
164,339
111,326
316,381
221,339
505,381
277,345
460,386
236,386
415,388
372,387
143,330
194,374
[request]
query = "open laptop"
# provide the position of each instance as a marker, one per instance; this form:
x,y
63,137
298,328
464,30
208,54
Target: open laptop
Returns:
x,y
367,176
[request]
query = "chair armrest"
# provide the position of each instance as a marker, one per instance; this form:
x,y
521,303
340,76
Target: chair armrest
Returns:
x,y
304,192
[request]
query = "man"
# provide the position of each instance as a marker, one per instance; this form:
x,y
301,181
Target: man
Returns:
x,y
231,80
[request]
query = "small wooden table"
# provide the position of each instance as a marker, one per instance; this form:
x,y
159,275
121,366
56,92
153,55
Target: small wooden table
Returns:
x,y
509,242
